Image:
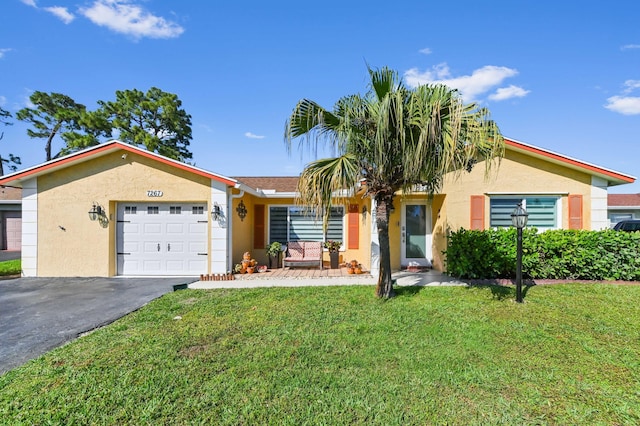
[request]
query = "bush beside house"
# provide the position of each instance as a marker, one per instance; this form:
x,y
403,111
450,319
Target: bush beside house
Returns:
x,y
554,254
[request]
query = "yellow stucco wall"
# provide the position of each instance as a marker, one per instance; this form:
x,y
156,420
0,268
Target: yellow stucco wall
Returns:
x,y
243,231
69,244
516,174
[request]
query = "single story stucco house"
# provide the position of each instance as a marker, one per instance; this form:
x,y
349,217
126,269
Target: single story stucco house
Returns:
x,y
118,210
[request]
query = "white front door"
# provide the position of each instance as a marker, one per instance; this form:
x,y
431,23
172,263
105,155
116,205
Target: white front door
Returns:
x,y
415,234
162,238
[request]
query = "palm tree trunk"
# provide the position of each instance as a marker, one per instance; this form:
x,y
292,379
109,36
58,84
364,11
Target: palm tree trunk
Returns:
x,y
384,289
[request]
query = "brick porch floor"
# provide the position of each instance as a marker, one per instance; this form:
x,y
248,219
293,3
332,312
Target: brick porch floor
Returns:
x,y
302,272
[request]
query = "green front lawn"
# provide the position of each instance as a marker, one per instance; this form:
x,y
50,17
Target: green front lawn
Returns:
x,y
336,355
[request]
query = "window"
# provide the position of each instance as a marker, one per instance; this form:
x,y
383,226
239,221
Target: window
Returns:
x,y
543,211
130,209
293,223
175,209
152,210
197,210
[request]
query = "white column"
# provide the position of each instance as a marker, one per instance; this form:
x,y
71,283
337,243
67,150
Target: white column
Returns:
x,y
599,218
30,228
220,236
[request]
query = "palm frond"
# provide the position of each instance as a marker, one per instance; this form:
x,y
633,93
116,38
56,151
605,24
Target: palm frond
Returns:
x,y
328,181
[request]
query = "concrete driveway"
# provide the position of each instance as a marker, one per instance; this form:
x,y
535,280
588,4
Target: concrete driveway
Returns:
x,y
39,314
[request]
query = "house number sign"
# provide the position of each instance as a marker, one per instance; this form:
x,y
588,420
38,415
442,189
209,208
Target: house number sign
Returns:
x,y
154,193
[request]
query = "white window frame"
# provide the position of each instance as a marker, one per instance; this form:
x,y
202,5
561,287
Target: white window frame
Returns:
x,y
523,198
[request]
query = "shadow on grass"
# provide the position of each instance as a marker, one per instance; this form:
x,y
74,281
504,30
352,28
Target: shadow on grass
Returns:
x,y
501,291
407,290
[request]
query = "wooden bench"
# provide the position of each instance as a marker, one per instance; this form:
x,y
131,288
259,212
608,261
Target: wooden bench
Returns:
x,y
303,253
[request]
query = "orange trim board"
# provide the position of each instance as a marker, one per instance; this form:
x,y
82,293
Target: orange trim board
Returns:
x,y
569,161
107,147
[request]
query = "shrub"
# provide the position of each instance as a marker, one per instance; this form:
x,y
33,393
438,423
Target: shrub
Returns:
x,y
554,254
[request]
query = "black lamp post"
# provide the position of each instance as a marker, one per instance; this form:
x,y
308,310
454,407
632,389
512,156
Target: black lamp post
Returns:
x,y
519,220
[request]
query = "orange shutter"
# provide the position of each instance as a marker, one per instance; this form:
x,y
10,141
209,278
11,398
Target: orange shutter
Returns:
x,y
258,226
575,211
354,226
477,212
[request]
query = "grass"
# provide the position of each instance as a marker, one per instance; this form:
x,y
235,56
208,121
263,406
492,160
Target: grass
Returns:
x,y
336,355
10,267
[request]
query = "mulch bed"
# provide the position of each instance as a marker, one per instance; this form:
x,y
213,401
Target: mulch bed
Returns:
x,y
531,282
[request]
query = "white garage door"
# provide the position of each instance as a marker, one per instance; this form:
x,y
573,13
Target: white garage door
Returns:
x,y
161,239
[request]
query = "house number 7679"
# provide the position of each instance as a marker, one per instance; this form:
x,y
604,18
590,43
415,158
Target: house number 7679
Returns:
x,y
154,193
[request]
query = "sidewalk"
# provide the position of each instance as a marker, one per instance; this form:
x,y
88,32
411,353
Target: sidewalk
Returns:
x,y
403,279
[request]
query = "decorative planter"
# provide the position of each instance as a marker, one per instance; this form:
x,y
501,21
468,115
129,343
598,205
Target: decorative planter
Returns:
x,y
334,257
274,261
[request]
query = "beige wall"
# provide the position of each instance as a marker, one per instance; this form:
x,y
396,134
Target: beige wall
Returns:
x,y
243,231
516,174
69,244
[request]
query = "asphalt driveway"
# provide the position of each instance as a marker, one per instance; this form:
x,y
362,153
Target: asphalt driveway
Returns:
x,y
39,314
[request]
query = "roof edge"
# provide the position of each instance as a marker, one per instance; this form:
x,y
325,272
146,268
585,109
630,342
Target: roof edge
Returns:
x,y
591,168
104,148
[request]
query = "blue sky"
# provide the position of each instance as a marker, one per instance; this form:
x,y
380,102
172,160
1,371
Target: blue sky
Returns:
x,y
560,75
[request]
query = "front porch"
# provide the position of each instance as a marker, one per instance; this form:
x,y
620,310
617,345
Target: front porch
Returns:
x,y
303,273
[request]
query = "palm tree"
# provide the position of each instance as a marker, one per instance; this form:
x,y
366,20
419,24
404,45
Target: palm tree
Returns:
x,y
395,140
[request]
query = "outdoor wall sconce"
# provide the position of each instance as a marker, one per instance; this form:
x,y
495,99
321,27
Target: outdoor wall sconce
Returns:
x,y
216,212
95,212
519,220
242,210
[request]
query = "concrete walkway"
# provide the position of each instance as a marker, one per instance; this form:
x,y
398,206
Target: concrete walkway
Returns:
x,y
403,279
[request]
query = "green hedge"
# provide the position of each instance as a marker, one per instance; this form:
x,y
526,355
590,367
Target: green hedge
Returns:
x,y
557,254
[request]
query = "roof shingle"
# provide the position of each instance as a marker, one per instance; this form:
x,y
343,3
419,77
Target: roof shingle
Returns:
x,y
623,200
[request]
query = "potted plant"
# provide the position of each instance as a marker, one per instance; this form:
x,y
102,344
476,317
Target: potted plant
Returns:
x,y
273,251
334,252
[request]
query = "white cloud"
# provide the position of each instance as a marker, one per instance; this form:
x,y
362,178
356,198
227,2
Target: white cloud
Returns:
x,y
62,13
252,136
125,17
3,101
630,46
505,93
631,85
31,3
3,51
425,51
626,105
471,87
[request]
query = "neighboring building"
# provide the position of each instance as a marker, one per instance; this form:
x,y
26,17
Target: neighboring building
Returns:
x,y
115,209
623,207
10,218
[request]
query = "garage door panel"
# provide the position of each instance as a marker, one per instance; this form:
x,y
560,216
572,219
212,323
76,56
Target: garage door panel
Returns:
x,y
175,228
197,247
162,239
198,265
197,228
152,228
132,246
175,247
151,266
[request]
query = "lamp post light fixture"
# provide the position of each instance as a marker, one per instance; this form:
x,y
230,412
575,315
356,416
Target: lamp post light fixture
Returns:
x,y
216,211
519,220
241,210
95,212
